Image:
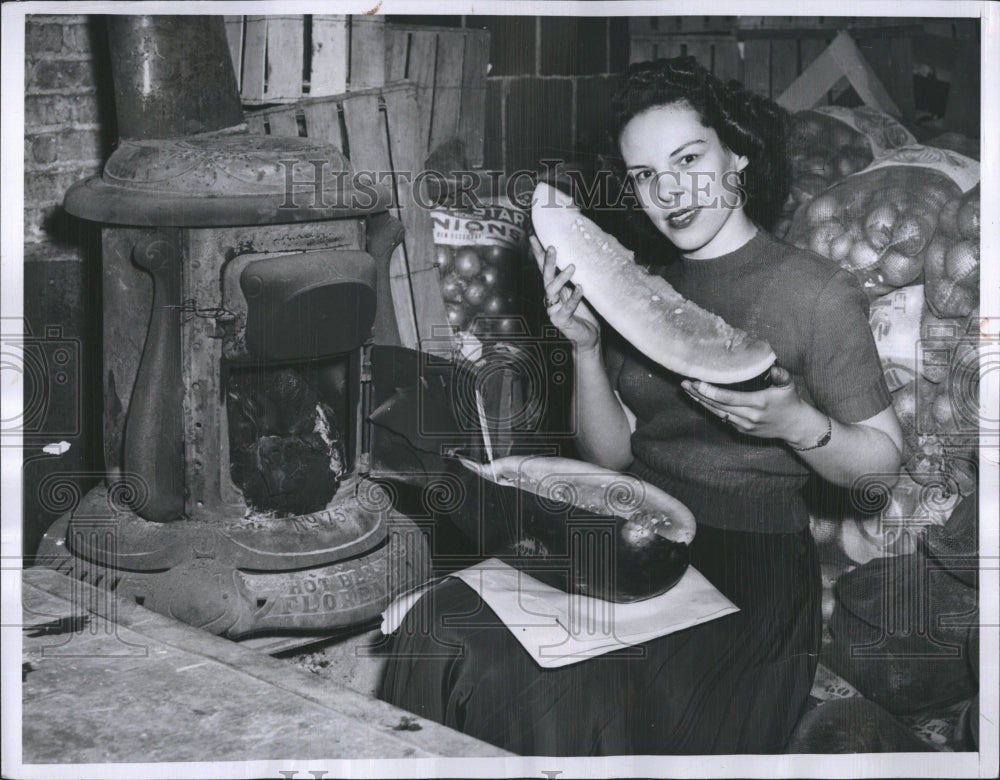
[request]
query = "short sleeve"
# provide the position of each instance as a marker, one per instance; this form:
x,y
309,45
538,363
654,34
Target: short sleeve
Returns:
x,y
843,370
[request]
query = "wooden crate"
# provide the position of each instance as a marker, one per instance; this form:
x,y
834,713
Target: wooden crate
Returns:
x,y
768,53
374,128
718,52
282,58
448,65
672,25
841,60
776,57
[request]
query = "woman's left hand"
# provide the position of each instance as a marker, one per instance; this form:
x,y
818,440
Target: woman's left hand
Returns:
x,y
774,413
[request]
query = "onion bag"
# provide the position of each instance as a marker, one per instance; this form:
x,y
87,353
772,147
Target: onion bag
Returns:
x,y
830,143
481,255
881,224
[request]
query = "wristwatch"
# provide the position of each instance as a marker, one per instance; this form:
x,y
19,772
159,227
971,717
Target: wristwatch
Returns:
x,y
822,441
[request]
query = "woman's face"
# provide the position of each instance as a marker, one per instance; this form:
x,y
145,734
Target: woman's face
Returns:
x,y
686,180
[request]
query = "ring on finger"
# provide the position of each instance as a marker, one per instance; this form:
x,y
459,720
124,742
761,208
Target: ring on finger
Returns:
x,y
552,301
725,418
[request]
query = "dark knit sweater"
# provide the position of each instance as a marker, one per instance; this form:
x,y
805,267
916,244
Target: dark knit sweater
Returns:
x,y
815,317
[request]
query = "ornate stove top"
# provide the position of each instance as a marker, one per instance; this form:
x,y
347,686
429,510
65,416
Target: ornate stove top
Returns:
x,y
224,179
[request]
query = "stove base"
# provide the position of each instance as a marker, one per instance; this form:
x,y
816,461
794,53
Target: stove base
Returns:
x,y
216,596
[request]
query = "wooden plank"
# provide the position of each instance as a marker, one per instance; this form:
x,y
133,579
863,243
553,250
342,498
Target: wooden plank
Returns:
x,y
254,54
757,66
365,133
963,112
285,46
323,121
255,123
419,305
784,64
447,88
690,45
641,50
671,46
397,49
472,118
900,79
423,54
813,83
853,65
367,56
809,50
140,687
328,71
283,122
234,36
727,59
368,141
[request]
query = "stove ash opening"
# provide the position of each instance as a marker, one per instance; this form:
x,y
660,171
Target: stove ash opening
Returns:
x,y
291,433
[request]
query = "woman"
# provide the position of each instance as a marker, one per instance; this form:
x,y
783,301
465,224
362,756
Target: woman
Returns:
x,y
738,460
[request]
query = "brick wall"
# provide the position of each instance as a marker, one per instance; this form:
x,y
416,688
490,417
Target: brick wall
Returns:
x,y
68,121
69,130
549,87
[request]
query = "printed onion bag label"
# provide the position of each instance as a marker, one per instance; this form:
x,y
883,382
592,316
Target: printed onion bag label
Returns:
x,y
480,255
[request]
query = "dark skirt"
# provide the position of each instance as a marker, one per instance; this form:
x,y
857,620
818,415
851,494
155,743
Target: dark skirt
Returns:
x,y
733,685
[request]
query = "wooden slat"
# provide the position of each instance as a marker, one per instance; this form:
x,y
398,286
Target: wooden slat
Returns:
x,y
367,52
447,88
899,80
423,53
728,64
285,46
698,47
472,119
853,65
810,49
784,64
963,112
255,123
423,287
323,121
234,36
641,50
254,51
283,122
328,71
368,142
757,66
812,84
365,133
397,45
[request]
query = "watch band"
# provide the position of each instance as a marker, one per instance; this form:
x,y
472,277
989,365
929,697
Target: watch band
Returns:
x,y
822,441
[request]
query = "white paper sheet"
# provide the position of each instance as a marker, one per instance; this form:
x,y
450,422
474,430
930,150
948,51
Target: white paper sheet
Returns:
x,y
558,628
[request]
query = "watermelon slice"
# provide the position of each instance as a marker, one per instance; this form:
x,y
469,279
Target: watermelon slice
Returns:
x,y
652,529
641,306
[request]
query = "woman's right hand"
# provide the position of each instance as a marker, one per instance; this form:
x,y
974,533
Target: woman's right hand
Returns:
x,y
568,312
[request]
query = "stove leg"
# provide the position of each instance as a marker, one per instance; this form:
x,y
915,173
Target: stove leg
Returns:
x,y
154,437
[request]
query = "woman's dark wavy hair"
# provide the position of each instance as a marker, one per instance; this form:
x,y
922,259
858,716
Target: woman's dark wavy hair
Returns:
x,y
747,123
